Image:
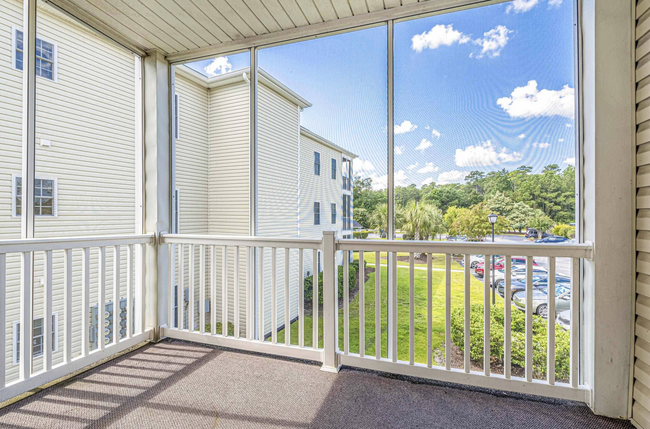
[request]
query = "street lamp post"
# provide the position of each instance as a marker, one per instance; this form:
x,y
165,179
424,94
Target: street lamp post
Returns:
x,y
493,219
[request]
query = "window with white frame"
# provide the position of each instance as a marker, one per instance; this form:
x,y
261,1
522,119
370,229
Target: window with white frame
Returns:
x,y
333,168
316,213
333,212
45,196
317,163
45,56
37,337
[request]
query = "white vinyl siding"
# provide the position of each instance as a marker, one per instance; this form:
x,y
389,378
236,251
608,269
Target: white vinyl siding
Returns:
x,y
88,113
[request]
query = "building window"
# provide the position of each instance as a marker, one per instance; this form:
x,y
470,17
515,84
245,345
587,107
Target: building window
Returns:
x,y
317,163
37,334
316,213
177,121
45,201
333,169
45,56
333,213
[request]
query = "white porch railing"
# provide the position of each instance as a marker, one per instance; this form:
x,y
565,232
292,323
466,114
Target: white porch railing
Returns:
x,y
256,307
27,250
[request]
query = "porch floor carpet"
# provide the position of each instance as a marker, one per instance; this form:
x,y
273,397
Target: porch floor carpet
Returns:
x,y
175,384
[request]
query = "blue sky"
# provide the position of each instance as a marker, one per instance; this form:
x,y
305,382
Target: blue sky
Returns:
x,y
480,89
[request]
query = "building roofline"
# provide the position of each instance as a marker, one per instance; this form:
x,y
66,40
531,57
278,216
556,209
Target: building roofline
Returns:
x,y
238,75
325,142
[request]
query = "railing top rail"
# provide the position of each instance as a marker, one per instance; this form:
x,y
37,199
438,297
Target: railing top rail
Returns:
x,y
218,240
61,243
582,250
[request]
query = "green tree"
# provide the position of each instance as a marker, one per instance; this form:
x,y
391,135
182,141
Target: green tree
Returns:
x,y
474,223
519,216
500,204
540,222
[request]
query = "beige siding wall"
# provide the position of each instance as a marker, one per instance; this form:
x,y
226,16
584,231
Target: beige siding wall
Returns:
x,y
89,115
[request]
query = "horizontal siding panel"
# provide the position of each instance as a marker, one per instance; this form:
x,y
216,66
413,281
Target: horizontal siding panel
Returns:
x,y
643,284
642,327
642,394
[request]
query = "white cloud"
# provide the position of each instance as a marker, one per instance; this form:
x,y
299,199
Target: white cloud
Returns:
x,y
435,133
220,65
541,145
405,127
380,182
453,176
427,181
493,41
560,140
427,127
520,6
529,102
399,150
521,136
556,3
428,168
484,154
570,161
423,145
569,125
438,36
362,167
412,166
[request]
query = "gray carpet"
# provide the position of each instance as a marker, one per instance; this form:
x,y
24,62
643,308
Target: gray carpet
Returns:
x,y
175,384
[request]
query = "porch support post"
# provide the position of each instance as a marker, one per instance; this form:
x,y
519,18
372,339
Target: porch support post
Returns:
x,y
607,161
330,299
157,183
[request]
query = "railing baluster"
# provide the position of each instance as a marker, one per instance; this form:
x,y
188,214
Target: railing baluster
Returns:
x,y
274,293
170,286
139,294
346,309
507,296
202,288
392,287
260,294
129,291
249,320
447,311
47,313
224,292
315,298
377,305
116,294
85,300
575,321
466,328
301,299
192,282
287,300
362,303
3,315
486,315
411,309
429,311
67,303
101,299
529,319
550,345
236,287
180,298
26,317
213,292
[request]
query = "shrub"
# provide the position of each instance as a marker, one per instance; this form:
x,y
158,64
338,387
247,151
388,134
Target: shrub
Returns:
x,y
309,282
361,235
563,230
518,339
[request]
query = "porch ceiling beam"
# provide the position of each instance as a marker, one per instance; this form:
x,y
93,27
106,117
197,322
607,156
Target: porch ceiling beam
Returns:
x,y
429,7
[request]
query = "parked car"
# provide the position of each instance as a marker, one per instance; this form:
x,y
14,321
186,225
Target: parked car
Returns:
x,y
564,319
532,233
552,239
456,238
500,264
540,300
475,260
518,273
518,286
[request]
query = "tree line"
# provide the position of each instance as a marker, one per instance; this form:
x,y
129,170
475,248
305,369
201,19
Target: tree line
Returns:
x,y
521,198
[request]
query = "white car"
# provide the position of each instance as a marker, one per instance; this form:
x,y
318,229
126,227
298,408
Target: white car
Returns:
x,y
518,273
475,259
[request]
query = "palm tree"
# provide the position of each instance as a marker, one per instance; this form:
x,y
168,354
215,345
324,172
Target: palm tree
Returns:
x,y
379,218
422,220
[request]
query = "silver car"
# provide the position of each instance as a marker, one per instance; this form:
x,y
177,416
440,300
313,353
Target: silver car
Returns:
x,y
540,300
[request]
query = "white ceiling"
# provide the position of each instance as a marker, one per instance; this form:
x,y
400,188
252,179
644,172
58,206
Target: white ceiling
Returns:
x,y
186,28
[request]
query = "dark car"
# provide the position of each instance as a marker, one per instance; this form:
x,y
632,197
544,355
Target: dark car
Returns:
x,y
552,239
539,282
532,233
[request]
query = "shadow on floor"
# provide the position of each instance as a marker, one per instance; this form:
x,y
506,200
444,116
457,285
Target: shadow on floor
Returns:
x,y
177,384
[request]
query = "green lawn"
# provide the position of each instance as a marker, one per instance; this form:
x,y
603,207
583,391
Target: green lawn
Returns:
x,y
420,292
437,261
